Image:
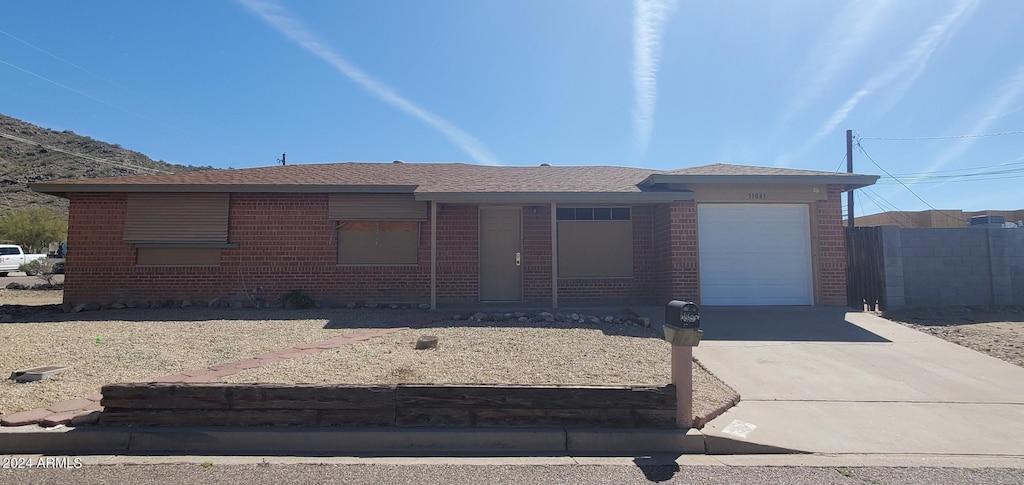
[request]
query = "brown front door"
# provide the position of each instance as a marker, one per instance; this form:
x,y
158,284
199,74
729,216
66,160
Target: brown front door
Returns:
x,y
501,254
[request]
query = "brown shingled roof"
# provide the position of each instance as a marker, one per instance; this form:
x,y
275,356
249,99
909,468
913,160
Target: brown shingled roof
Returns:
x,y
442,178
729,169
427,177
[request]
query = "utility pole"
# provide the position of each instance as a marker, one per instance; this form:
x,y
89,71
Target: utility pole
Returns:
x,y
849,169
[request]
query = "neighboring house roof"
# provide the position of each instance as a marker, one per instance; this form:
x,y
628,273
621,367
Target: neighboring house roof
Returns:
x,y
748,174
443,181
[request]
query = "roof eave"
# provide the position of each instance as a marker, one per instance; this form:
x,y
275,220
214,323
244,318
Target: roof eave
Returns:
x,y
567,197
63,189
847,181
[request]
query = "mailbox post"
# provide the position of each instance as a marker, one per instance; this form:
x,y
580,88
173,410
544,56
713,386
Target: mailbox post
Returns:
x,y
682,330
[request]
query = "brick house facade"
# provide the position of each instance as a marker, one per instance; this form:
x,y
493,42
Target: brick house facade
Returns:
x,y
280,235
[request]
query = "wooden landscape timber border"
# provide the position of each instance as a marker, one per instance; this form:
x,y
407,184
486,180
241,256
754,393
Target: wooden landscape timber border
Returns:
x,y
220,404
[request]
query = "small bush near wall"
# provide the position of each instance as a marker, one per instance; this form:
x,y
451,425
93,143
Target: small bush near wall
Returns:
x,y
297,299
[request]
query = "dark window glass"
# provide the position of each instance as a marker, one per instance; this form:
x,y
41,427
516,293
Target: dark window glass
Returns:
x,y
584,214
620,214
566,214
602,214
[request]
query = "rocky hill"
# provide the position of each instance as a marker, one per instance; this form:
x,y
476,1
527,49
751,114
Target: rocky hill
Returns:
x,y
29,153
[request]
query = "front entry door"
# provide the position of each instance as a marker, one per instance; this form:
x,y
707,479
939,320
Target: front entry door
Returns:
x,y
501,276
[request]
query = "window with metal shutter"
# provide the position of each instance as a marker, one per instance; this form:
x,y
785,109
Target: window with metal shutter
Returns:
x,y
176,217
376,207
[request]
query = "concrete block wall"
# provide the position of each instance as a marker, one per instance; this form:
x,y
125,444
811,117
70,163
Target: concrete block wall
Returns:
x,y
963,266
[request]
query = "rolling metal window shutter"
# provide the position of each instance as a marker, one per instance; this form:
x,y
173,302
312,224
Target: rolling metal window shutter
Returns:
x,y
376,207
177,217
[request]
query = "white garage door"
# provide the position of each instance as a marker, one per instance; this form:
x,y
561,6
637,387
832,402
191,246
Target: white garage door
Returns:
x,y
754,254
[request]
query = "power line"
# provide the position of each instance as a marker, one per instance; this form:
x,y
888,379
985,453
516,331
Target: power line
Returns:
x,y
80,93
61,59
1015,161
888,208
841,162
87,157
80,68
949,137
861,148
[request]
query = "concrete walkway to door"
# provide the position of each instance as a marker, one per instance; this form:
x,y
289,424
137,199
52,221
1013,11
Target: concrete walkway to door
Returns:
x,y
824,380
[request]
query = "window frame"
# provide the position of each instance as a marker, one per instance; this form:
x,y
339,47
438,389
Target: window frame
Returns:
x,y
586,220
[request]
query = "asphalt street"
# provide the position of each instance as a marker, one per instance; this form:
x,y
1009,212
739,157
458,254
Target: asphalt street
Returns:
x,y
270,473
19,277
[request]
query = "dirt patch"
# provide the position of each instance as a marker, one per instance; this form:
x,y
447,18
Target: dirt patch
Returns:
x,y
996,331
31,297
110,346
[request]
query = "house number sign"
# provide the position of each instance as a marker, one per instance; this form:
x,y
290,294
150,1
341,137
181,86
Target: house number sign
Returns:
x,y
757,195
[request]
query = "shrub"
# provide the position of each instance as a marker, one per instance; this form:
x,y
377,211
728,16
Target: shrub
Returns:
x,y
41,268
297,299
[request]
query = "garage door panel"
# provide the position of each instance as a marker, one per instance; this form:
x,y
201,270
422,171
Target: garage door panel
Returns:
x,y
755,254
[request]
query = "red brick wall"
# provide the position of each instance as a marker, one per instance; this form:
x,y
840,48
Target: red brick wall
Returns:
x,y
675,247
285,242
458,249
537,253
831,249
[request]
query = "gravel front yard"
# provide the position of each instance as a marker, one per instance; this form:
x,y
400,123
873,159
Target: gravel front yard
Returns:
x,y
112,346
996,331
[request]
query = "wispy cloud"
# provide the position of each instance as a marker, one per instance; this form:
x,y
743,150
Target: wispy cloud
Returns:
x,y
908,68
996,107
649,18
280,19
844,41
904,72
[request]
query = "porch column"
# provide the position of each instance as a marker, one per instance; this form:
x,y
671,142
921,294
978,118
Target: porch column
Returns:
x,y
554,257
433,255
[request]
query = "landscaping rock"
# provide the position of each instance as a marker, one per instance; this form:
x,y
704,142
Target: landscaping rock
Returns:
x,y
426,342
351,305
25,417
370,305
85,418
480,317
186,303
15,286
609,319
78,308
424,306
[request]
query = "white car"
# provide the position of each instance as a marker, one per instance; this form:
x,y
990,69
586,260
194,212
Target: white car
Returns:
x,y
12,256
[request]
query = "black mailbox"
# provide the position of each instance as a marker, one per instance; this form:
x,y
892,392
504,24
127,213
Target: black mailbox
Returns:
x,y
684,314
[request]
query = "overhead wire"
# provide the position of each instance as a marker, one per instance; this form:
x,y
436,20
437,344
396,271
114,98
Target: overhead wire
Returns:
x,y
888,208
948,137
861,148
86,157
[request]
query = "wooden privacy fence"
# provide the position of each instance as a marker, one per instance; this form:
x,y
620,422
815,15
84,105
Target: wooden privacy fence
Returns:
x,y
865,268
219,404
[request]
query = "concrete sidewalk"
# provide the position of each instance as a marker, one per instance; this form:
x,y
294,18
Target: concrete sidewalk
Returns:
x,y
823,380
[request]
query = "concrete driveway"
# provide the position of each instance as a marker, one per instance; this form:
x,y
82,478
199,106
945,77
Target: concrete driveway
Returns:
x,y
823,380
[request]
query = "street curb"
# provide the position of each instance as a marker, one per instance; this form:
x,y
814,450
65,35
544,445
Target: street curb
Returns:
x,y
355,441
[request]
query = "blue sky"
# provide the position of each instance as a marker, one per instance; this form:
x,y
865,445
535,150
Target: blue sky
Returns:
x,y
656,84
